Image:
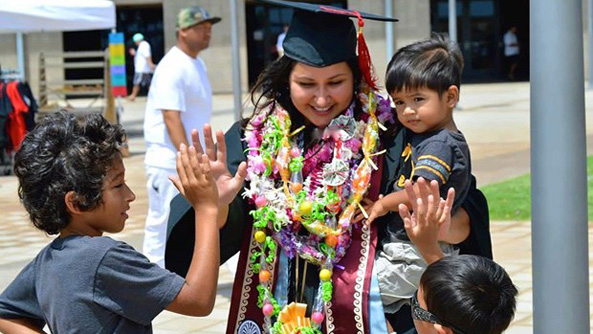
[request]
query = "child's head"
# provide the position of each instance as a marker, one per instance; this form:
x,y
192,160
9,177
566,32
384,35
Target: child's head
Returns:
x,y
69,165
464,294
424,80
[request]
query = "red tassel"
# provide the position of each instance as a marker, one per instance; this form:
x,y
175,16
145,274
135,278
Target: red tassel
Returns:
x,y
364,58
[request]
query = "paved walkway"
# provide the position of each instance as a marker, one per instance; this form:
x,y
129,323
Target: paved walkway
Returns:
x,y
494,118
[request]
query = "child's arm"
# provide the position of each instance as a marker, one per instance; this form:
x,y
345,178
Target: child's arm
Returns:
x,y
430,214
20,326
459,228
195,182
387,203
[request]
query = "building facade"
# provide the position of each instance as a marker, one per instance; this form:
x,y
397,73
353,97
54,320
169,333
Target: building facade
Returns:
x,y
480,24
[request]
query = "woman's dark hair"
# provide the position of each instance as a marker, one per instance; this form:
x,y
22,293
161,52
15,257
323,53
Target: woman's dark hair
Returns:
x,y
65,153
470,292
272,86
435,63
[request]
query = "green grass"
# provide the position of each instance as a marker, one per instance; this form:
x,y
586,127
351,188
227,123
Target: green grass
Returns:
x,y
511,199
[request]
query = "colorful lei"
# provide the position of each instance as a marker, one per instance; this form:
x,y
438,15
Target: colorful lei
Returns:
x,y
337,174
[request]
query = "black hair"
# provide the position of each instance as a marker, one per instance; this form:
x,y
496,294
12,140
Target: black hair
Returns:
x,y
273,86
470,292
434,63
65,153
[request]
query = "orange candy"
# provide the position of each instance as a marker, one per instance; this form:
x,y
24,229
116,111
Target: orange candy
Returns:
x,y
331,240
284,173
295,187
264,276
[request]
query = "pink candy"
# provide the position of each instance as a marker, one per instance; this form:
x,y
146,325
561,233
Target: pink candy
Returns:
x,y
268,310
295,152
317,317
260,201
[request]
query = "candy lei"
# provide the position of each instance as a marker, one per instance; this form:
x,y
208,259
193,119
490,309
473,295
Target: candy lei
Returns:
x,y
338,172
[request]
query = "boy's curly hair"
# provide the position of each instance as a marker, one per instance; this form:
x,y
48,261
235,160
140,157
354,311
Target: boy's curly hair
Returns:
x,y
65,153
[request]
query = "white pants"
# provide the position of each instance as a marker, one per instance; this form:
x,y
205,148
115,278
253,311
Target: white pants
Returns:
x,y
160,193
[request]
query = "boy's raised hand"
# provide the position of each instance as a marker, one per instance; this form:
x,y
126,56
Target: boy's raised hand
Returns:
x,y
228,185
431,217
195,180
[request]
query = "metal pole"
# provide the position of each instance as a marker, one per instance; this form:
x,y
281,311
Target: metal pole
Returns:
x,y
558,169
236,60
590,42
389,29
20,54
453,21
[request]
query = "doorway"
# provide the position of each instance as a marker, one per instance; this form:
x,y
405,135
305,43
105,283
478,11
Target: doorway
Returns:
x,y
481,25
478,31
264,24
147,20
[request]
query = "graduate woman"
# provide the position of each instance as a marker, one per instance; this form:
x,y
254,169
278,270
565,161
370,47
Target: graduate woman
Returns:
x,y
320,141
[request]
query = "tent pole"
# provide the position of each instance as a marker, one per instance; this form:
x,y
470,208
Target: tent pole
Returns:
x,y
234,4
20,53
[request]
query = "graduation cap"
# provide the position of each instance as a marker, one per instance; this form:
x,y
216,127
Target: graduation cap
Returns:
x,y
321,35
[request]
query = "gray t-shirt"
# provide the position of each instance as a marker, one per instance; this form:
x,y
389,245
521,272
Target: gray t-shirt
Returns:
x,y
83,284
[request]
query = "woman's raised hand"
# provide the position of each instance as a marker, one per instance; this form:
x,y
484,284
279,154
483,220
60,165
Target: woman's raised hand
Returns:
x,y
228,185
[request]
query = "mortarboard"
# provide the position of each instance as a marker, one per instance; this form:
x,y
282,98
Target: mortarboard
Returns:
x,y
321,35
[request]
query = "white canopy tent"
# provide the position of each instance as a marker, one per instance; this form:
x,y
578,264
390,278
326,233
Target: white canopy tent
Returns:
x,y
24,16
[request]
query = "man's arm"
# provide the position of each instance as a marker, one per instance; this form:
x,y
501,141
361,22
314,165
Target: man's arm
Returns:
x,y
175,127
21,326
150,63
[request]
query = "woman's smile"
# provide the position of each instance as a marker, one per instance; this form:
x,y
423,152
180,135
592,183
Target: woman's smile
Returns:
x,y
320,94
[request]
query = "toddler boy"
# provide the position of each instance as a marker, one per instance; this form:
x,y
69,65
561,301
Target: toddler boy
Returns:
x,y
423,80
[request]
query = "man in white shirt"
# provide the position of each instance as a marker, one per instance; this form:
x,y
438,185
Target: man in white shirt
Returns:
x,y
179,100
143,65
280,40
511,50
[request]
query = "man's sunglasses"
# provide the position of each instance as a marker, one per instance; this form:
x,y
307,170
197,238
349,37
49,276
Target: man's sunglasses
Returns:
x,y
420,314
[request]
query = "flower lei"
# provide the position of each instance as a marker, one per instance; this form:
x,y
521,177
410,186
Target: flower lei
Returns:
x,y
338,172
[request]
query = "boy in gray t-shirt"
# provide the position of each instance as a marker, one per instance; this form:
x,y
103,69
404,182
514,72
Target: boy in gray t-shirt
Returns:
x,y
423,80
72,183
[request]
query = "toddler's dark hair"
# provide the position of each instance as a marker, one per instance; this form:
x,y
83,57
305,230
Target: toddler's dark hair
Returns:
x,y
434,63
471,292
65,153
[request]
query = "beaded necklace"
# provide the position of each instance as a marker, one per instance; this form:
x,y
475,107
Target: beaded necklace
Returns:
x,y
337,174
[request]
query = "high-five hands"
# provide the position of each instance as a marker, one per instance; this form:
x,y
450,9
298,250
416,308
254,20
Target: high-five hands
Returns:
x,y
228,185
194,180
431,217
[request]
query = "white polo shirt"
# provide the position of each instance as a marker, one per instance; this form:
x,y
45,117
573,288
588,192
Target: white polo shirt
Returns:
x,y
180,83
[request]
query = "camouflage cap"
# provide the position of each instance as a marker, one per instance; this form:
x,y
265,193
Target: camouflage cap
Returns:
x,y
193,15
